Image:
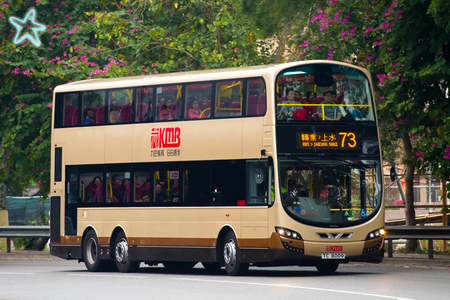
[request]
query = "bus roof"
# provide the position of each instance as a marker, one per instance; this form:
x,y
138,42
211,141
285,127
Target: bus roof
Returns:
x,y
189,76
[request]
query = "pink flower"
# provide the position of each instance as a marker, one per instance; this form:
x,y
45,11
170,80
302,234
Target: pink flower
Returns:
x,y
414,136
41,139
381,97
7,108
22,105
26,72
50,88
50,104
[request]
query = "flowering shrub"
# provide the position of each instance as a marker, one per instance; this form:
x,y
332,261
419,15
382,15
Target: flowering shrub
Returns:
x,y
95,39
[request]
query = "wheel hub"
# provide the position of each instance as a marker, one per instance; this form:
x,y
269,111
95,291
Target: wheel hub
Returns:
x,y
91,251
229,253
122,251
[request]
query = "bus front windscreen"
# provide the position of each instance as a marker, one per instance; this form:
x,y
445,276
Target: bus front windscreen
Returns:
x,y
323,92
330,192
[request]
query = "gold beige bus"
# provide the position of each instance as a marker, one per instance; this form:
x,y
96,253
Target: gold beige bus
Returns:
x,y
254,166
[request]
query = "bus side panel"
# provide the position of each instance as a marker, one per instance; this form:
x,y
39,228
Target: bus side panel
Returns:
x,y
82,145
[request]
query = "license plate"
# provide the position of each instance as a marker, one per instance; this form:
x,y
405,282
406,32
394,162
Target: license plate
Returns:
x,y
333,255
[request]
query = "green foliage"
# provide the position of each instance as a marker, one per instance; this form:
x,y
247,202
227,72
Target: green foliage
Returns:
x,y
407,52
100,39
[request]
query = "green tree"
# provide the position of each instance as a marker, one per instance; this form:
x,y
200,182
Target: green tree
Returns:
x,y
406,50
279,20
87,39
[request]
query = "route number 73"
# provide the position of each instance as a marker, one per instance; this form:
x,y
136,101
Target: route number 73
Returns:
x,y
348,139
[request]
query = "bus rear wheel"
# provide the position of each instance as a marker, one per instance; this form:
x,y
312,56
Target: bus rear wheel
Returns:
x,y
91,253
121,255
230,256
327,268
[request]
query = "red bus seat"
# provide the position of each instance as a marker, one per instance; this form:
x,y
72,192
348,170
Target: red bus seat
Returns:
x,y
100,115
141,111
261,109
68,111
126,115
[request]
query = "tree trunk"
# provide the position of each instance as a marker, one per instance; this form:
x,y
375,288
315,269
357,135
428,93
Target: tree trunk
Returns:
x,y
410,213
282,43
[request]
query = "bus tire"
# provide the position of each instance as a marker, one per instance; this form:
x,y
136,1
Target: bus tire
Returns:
x,y
230,256
327,268
91,253
121,255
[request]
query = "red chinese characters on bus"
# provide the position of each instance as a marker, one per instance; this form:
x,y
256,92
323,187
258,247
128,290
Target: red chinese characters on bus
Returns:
x,y
166,137
334,248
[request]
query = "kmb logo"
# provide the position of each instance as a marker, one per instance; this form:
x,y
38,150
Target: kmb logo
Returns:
x,y
334,248
166,137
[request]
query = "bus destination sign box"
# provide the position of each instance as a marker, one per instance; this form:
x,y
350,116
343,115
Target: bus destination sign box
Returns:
x,y
328,140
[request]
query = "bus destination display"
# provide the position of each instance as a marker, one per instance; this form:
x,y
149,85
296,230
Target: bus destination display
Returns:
x,y
328,140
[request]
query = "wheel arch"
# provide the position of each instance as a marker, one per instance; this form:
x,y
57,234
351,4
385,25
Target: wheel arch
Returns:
x,y
220,242
113,238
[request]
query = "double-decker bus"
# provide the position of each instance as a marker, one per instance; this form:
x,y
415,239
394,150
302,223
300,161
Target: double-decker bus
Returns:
x,y
254,166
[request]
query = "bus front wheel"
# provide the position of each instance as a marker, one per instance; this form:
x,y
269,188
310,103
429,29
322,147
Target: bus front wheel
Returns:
x,y
121,255
230,256
91,253
327,268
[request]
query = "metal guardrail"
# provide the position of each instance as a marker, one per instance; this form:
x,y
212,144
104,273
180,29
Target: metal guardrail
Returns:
x,y
9,232
429,233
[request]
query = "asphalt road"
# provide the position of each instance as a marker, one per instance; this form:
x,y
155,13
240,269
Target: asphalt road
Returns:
x,y
58,279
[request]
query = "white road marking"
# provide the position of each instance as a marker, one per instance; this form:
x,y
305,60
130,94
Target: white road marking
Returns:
x,y
106,275
15,273
295,287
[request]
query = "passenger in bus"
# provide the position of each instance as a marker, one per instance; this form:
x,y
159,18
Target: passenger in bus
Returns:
x,y
205,103
167,112
286,112
332,113
194,112
124,194
93,186
114,114
174,192
116,184
310,99
297,96
145,198
350,113
149,114
89,117
160,196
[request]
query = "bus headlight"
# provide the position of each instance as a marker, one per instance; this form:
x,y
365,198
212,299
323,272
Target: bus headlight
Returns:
x,y
375,234
288,233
